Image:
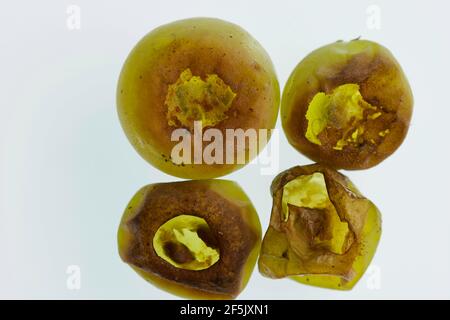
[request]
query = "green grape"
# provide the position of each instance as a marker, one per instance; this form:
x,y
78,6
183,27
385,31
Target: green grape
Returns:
x,y
347,105
198,69
196,239
322,231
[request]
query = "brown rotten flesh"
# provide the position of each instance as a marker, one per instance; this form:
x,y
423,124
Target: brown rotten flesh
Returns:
x,y
194,239
347,105
322,231
190,71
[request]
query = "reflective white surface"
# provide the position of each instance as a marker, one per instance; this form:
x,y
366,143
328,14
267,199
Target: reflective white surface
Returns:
x,y
67,170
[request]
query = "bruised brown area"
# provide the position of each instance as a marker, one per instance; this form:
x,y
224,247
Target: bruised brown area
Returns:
x,y
288,247
250,107
227,231
382,84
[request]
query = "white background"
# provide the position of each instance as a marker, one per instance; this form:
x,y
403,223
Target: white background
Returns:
x,y
67,170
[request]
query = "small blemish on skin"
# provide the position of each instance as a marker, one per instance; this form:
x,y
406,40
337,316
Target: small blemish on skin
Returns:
x,y
383,133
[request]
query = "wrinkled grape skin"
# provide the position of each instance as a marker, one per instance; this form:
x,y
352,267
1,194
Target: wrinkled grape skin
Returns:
x,y
280,255
382,83
205,46
224,205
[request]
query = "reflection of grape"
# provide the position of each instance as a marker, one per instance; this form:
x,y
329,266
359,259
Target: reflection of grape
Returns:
x,y
347,105
197,69
195,239
322,231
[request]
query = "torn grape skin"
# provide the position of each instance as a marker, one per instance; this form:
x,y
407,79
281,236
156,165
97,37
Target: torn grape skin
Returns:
x,y
343,109
328,235
309,191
